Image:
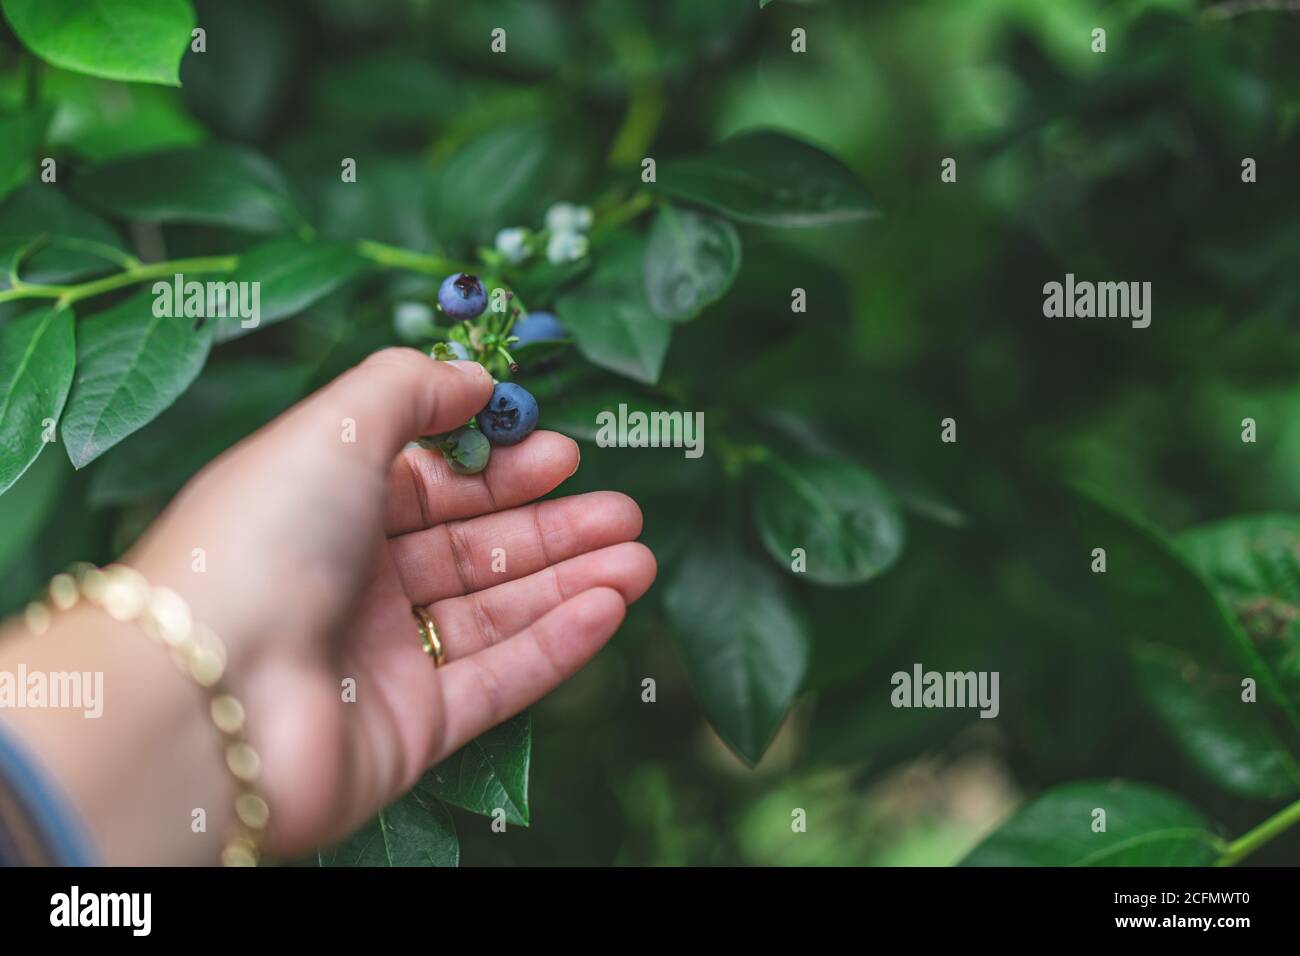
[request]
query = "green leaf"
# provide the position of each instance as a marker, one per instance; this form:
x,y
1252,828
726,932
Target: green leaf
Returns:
x,y
501,178
215,185
745,645
416,830
292,274
489,773
386,203
691,260
37,358
769,179
1253,565
131,365
231,399
846,521
1231,741
101,120
139,41
610,318
25,506
575,412
1190,656
390,89
239,84
69,236
1144,827
20,136
532,354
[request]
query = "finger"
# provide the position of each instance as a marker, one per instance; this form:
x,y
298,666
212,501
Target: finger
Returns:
x,y
424,491
392,397
460,557
469,624
493,685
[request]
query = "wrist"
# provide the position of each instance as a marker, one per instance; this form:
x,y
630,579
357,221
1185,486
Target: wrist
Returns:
x,y
169,801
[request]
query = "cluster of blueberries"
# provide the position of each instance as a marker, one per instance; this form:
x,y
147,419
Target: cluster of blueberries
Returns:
x,y
511,413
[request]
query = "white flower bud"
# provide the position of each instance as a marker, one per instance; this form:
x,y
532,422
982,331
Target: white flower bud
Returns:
x,y
566,247
566,217
513,244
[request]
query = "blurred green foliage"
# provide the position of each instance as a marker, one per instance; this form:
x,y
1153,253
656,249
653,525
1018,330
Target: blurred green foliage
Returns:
x,y
1119,166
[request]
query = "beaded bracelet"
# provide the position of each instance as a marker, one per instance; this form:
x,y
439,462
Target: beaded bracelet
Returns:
x,y
125,595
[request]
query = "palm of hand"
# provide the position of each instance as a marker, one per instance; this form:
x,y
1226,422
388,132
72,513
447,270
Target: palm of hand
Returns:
x,y
349,709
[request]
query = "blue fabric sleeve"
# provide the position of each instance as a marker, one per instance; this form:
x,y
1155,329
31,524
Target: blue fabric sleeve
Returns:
x,y
38,827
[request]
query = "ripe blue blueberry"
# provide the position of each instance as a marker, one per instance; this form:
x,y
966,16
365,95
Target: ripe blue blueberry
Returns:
x,y
462,296
538,327
509,416
466,450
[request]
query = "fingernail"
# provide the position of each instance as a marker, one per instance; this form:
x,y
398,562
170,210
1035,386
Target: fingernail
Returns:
x,y
467,365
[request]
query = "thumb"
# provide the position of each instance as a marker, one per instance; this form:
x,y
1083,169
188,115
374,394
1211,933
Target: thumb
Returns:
x,y
396,395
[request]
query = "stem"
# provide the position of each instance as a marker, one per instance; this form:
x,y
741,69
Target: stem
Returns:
x,y
143,273
398,258
68,294
378,252
625,212
646,104
1248,843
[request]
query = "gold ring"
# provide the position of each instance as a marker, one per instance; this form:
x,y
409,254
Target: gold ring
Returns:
x,y
428,635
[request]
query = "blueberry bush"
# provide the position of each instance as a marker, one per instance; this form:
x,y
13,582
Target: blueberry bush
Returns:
x,y
824,229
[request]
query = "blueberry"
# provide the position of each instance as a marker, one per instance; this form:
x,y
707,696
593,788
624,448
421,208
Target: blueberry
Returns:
x,y
509,416
462,296
538,327
466,450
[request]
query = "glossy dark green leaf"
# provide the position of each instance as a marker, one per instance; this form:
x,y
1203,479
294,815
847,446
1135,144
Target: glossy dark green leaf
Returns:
x,y
489,773
1253,564
846,522
138,41
1231,741
416,830
502,177
217,185
37,358
72,243
1143,827
610,319
540,353
230,399
390,89
386,203
691,260
576,413
292,274
239,83
1190,656
743,639
770,179
131,365
20,135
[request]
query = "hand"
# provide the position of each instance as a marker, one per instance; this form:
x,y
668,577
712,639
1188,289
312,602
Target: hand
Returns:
x,y
305,552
